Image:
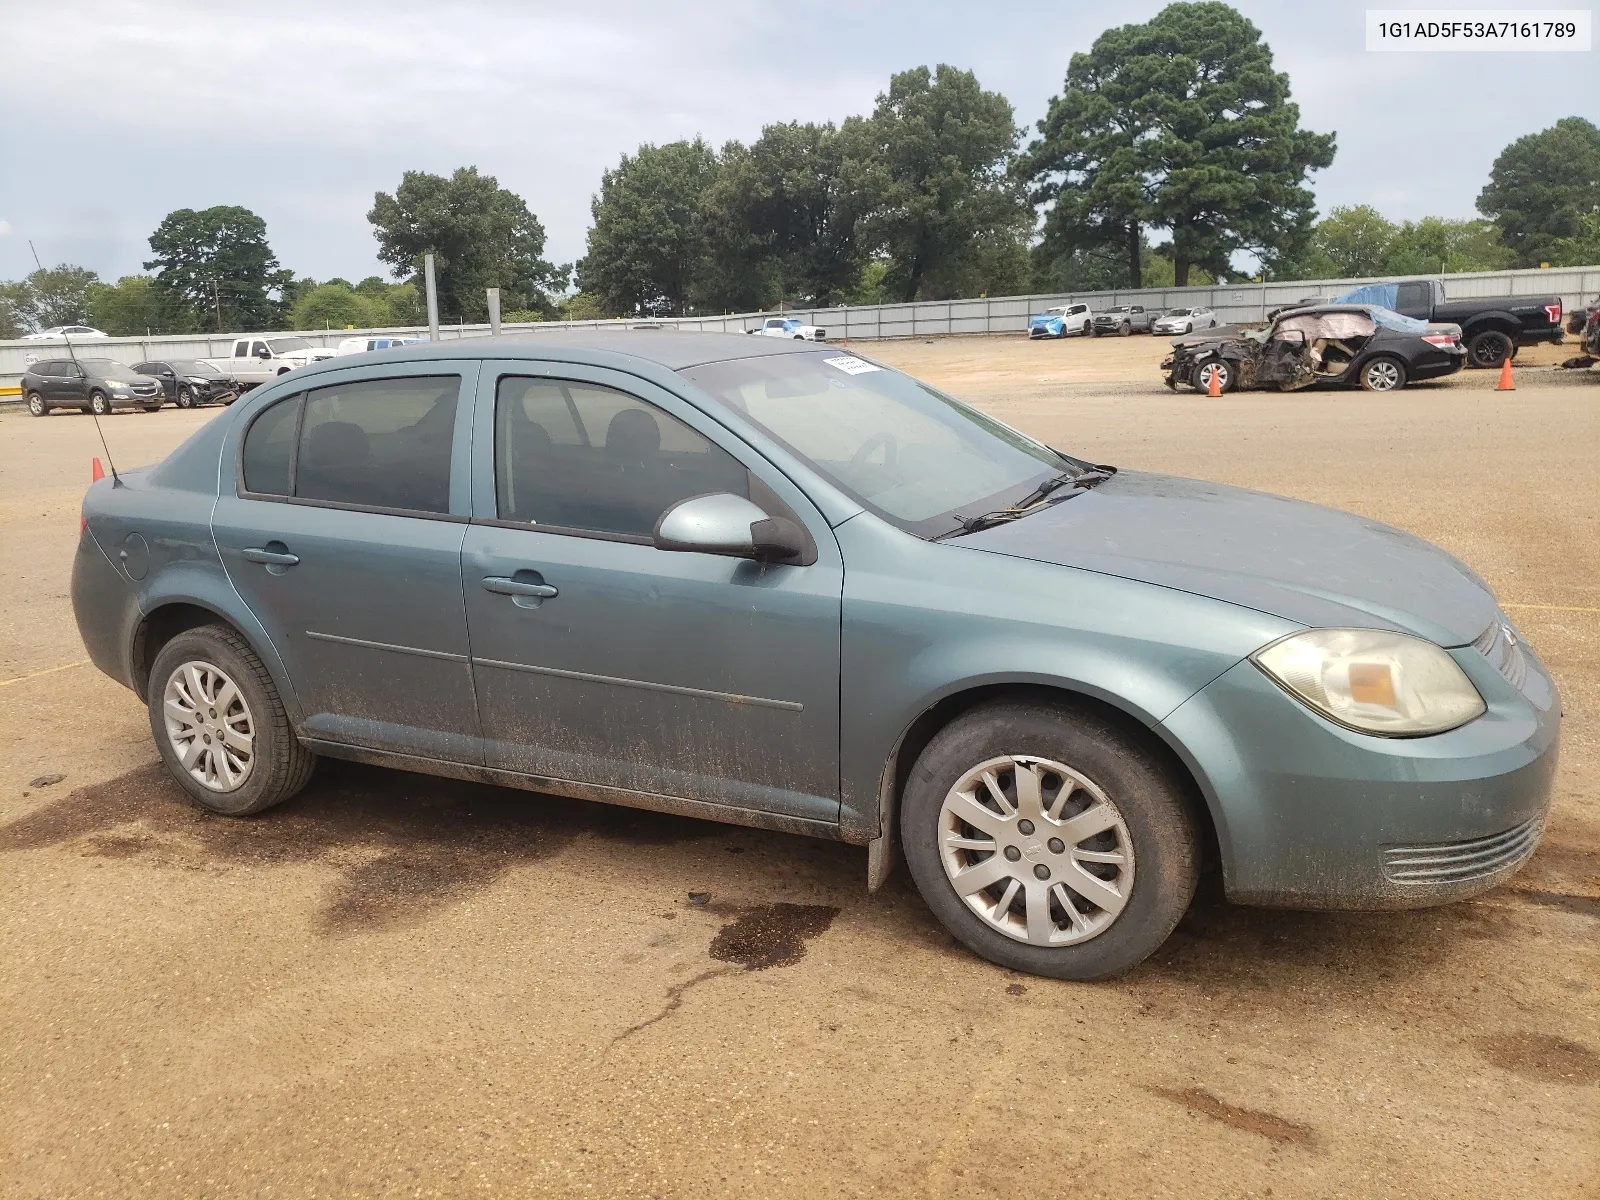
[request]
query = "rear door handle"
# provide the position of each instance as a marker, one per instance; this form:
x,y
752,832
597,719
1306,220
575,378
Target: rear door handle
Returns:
x,y
271,558
502,586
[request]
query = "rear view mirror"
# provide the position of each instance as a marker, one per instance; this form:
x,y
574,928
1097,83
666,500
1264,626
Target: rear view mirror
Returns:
x,y
722,523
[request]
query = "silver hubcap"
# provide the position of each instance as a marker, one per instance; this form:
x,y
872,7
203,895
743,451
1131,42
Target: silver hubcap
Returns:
x,y
1036,850
209,726
35,404
1383,376
1210,369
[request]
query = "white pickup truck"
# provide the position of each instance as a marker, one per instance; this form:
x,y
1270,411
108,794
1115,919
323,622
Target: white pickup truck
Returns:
x,y
263,357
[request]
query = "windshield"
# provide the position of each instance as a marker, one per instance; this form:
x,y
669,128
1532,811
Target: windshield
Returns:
x,y
195,368
105,367
1056,312
1177,312
911,454
288,345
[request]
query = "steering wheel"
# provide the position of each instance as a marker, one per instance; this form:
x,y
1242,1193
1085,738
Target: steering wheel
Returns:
x,y
884,441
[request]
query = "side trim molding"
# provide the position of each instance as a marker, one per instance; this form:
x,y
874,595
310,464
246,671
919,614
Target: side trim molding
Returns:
x,y
420,653
615,681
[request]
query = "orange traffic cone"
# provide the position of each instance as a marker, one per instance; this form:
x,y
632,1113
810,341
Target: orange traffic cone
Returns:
x,y
1505,384
1216,382
96,471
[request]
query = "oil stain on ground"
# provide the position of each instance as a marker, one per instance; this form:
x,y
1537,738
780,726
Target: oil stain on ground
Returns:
x,y
1278,1130
1542,1057
771,935
402,845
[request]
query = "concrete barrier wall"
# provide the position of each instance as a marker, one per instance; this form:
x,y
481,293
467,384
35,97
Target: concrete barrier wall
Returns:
x,y
999,314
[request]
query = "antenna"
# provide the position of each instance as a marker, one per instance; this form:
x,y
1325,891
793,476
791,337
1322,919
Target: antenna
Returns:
x,y
73,355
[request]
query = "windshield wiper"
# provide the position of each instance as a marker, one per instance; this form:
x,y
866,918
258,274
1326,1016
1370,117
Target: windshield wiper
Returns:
x,y
1079,481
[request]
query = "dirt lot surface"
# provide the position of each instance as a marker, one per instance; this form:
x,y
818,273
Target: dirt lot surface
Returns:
x,y
402,986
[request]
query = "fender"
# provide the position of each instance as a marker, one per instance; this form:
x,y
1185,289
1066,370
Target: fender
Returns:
x,y
206,585
1497,319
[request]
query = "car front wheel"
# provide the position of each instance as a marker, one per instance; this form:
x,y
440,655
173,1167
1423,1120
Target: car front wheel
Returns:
x,y
1221,368
1048,840
185,397
220,724
1383,375
36,404
100,404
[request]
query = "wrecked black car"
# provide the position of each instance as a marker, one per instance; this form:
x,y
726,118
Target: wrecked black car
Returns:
x,y
1588,329
1334,345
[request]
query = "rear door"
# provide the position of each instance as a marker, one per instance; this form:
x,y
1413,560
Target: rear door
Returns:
x,y
342,531
619,665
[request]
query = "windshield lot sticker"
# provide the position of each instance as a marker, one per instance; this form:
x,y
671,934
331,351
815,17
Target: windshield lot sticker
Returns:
x,y
851,365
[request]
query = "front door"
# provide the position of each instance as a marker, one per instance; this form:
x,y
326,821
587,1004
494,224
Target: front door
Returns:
x,y
602,660
343,535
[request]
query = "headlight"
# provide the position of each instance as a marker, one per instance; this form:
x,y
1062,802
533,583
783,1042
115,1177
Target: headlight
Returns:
x,y
1373,680
118,387
199,379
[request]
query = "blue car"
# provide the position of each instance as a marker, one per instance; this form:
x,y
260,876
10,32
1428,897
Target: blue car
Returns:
x,y
1064,320
779,585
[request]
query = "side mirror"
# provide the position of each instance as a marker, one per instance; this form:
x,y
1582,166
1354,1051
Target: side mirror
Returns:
x,y
722,523
263,353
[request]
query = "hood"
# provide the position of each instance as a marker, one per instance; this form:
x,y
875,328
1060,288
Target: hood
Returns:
x,y
1222,333
1298,561
1044,319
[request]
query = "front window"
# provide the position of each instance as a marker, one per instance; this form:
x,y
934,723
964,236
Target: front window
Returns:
x,y
198,368
288,345
1177,312
911,454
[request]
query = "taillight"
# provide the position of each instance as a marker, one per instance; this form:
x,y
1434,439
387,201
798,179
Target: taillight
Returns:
x,y
1440,339
1553,311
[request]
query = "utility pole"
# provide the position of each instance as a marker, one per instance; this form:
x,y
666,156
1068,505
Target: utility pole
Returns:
x,y
216,299
433,298
494,312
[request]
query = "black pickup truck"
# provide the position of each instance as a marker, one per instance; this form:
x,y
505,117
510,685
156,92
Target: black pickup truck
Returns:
x,y
1491,326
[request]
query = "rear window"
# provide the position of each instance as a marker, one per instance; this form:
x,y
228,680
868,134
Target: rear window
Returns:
x,y
377,443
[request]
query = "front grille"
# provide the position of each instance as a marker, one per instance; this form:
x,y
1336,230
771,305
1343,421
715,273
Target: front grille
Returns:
x,y
1501,644
144,389
1461,862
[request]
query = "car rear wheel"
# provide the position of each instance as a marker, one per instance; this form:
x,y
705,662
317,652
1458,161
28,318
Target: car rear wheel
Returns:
x,y
100,404
185,397
1488,349
220,724
1383,375
1221,368
36,405
1047,840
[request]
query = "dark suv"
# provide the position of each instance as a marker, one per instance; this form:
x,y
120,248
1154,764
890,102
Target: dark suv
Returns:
x,y
99,385
188,382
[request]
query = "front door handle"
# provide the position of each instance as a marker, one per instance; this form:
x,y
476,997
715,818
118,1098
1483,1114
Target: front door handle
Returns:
x,y
271,558
502,586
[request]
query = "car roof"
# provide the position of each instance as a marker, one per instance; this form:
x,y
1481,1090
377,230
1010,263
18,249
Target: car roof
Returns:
x,y
669,348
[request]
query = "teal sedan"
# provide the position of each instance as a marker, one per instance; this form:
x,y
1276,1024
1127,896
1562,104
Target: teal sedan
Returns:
x,y
779,585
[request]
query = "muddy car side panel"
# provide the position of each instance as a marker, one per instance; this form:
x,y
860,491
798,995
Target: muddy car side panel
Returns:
x,y
924,623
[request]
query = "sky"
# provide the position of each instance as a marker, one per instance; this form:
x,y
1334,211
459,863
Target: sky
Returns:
x,y
116,112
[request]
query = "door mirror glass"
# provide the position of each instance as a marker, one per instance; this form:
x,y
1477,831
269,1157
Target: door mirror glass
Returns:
x,y
723,523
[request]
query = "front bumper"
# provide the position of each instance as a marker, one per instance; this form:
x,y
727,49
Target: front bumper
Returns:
x,y
1311,815
1046,331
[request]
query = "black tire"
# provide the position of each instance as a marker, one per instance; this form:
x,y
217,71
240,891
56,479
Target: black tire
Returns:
x,y
1152,802
185,397
1125,330
281,765
1383,374
1488,349
1201,381
37,406
156,407
1189,328
100,404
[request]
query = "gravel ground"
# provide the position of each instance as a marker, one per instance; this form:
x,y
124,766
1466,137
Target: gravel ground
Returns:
x,y
404,986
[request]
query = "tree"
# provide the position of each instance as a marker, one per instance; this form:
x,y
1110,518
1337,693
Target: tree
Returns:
x,y
49,296
481,235
216,268
1437,245
779,222
335,305
1180,123
928,172
12,324
133,307
1540,187
1582,250
647,241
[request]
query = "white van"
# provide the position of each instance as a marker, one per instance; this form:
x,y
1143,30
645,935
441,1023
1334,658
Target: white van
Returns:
x,y
360,345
